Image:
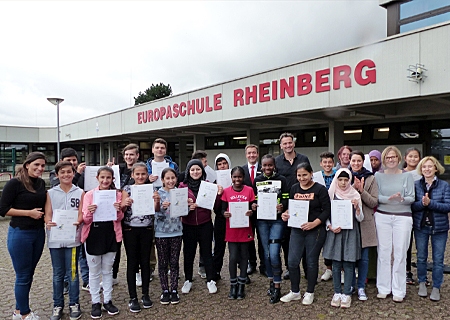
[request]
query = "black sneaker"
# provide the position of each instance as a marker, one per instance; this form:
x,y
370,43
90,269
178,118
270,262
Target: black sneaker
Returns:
x,y
165,297
174,297
134,305
74,311
147,303
112,309
96,312
86,287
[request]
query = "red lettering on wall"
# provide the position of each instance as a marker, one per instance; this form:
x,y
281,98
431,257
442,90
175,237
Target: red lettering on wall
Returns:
x,y
322,80
274,90
341,73
218,101
207,107
200,106
287,88
182,109
191,107
162,112
169,112
176,111
238,97
139,117
251,94
304,85
370,74
264,92
156,114
149,116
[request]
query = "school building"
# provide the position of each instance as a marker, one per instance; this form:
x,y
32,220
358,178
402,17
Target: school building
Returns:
x,y
394,91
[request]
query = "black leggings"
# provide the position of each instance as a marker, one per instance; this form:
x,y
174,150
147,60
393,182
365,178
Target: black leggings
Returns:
x,y
219,243
137,242
203,235
238,252
169,254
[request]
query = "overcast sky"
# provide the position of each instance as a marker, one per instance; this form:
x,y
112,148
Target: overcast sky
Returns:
x,y
99,55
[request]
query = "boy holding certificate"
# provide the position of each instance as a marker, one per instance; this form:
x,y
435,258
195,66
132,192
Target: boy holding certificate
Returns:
x,y
63,216
239,231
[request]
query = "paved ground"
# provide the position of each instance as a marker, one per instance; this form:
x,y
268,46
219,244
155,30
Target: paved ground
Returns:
x,y
199,304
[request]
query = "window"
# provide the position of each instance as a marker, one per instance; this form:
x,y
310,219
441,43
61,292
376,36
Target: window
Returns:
x,y
381,133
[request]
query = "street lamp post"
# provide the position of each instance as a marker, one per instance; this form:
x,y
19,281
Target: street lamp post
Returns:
x,y
56,102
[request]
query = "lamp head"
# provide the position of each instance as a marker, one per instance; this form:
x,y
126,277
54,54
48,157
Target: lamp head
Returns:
x,y
55,101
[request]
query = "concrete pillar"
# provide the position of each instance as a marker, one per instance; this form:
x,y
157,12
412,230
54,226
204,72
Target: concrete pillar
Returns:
x,y
199,142
335,136
86,154
182,153
253,137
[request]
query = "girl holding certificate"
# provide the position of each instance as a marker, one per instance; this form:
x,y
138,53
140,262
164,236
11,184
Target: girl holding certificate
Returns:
x,y
310,236
238,238
23,199
168,236
101,239
393,220
197,228
64,201
137,237
271,230
343,246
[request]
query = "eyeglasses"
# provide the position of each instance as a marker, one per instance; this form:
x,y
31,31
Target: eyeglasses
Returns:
x,y
390,158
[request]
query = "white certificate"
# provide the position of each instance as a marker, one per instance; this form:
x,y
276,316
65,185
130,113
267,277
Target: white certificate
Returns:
x,y
223,178
238,211
210,174
207,194
318,177
157,168
367,163
116,176
104,199
143,203
65,230
342,214
90,177
298,213
179,206
267,206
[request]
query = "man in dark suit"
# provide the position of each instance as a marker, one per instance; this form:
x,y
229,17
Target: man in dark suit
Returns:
x,y
252,168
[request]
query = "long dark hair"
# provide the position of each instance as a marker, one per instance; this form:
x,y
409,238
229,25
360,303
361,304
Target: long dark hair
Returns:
x,y
407,152
22,173
112,186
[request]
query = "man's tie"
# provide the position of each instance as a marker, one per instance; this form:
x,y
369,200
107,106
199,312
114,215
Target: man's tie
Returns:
x,y
252,174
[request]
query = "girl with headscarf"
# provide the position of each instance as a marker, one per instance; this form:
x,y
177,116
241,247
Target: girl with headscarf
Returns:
x,y
343,246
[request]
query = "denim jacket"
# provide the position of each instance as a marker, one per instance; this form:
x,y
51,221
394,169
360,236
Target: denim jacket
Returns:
x,y
438,209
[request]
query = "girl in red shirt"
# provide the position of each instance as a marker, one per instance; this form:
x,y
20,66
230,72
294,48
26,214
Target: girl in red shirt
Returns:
x,y
238,238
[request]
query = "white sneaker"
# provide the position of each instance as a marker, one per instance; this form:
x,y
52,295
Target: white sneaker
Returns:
x,y
342,277
16,316
186,286
327,275
115,281
32,316
291,296
308,298
212,286
346,301
138,280
202,272
336,301
362,294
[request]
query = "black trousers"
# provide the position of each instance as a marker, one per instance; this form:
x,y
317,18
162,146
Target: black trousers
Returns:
x,y
252,259
219,243
203,235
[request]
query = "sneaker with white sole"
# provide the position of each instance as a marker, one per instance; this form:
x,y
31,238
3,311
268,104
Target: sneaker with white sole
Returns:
x,y
346,301
308,298
75,311
16,316
86,287
32,316
202,272
336,301
362,294
57,313
291,296
186,287
211,286
115,281
110,308
327,275
138,280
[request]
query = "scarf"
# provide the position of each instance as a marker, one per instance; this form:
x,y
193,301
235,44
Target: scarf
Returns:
x,y
193,184
348,194
363,173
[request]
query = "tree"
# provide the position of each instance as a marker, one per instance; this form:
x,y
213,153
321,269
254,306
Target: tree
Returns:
x,y
155,92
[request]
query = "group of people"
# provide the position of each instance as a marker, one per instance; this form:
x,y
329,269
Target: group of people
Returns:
x,y
388,205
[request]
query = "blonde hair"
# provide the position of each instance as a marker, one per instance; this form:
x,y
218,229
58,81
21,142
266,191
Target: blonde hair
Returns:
x,y
389,149
440,169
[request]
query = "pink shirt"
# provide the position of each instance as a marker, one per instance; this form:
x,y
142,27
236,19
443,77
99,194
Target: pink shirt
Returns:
x,y
88,216
238,234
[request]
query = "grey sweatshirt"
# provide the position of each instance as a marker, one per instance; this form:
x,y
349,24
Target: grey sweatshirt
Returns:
x,y
389,184
65,201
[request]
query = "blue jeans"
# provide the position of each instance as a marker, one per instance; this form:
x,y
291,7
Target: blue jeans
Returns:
x,y
65,261
84,269
312,242
25,248
349,272
271,233
363,269
438,242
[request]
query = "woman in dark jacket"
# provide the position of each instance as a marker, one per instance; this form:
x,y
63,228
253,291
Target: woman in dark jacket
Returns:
x,y
430,219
